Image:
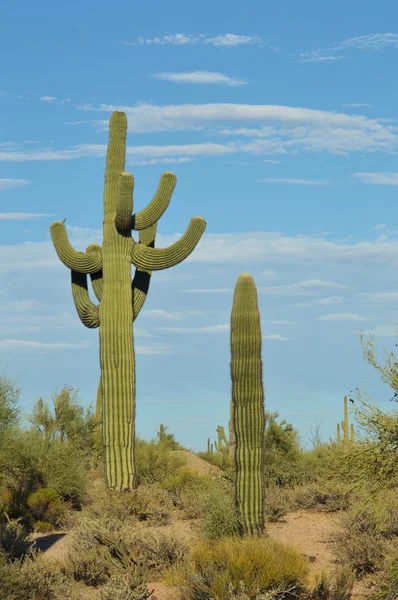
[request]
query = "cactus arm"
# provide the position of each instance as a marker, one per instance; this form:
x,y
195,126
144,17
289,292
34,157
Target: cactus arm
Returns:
x,y
155,259
82,262
87,311
142,279
97,283
147,217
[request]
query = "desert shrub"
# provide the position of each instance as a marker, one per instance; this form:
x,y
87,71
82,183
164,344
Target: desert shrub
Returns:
x,y
152,503
45,505
370,532
215,569
219,518
14,541
387,588
338,587
32,579
64,469
325,496
155,462
278,502
188,490
43,527
222,459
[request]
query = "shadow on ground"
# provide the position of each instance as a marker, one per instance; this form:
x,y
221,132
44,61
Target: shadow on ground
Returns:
x,y
44,542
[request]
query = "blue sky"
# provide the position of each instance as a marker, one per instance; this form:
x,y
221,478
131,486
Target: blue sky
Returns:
x,y
280,122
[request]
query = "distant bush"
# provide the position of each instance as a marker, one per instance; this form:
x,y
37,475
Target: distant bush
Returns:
x,y
278,502
324,496
155,462
216,569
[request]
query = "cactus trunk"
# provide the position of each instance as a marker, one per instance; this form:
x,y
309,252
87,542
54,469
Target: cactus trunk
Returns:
x,y
248,406
121,299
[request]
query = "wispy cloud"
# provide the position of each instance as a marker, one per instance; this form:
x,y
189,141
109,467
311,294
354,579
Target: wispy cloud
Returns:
x,y
372,42
227,40
47,346
54,100
22,216
209,291
164,315
201,77
275,337
154,349
205,329
306,286
379,297
346,316
161,161
293,181
378,178
382,331
6,184
358,105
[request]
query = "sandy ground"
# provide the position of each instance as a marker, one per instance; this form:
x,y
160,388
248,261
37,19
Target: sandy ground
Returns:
x,y
309,532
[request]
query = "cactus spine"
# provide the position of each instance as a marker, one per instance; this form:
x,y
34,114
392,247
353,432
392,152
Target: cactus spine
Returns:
x,y
120,299
248,406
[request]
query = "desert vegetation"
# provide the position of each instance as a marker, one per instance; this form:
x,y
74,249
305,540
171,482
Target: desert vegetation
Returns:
x,y
90,510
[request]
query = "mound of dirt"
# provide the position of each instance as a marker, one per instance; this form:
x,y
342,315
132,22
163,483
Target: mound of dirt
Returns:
x,y
197,465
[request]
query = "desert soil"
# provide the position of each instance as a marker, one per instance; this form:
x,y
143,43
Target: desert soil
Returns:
x,y
309,532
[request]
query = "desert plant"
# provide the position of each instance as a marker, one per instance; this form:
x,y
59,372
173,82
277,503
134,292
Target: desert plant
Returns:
x,y
120,298
213,569
14,539
45,505
248,405
155,462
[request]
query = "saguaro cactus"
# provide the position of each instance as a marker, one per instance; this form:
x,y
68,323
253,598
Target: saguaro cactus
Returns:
x,y
121,299
248,405
344,424
221,437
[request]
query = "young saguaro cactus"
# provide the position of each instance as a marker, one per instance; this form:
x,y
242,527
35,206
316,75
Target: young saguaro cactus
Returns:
x,y
121,299
248,406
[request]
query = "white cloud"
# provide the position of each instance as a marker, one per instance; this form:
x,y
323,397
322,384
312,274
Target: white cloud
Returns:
x,y
372,42
161,161
6,184
201,77
205,329
378,178
379,297
382,331
358,105
209,291
153,350
53,99
165,315
340,317
22,216
327,301
315,56
295,181
228,40
278,322
270,161
31,345
301,287
275,337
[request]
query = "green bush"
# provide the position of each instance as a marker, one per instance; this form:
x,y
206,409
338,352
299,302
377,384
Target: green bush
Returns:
x,y
324,496
220,518
45,505
14,541
155,462
214,569
43,527
278,502
33,579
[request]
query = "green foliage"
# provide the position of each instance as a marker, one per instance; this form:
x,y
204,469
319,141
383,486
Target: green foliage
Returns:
x,y
9,396
338,587
388,585
216,568
370,532
220,518
14,541
66,421
45,505
33,579
155,461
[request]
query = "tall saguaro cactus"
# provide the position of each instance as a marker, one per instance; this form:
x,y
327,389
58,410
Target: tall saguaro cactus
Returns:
x,y
248,405
120,298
